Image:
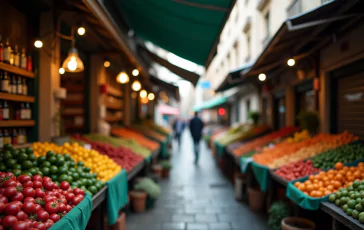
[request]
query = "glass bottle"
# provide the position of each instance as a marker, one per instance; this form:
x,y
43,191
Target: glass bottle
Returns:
x,y
16,56
14,139
13,84
25,87
1,139
7,138
1,50
23,59
28,111
5,83
22,110
25,138
7,51
5,111
19,88
11,61
29,64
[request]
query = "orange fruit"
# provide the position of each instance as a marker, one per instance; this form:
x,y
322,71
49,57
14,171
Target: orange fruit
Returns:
x,y
352,168
327,192
311,177
337,184
339,165
302,187
309,187
297,184
330,187
330,176
345,168
316,186
350,178
313,193
319,194
357,174
331,171
339,177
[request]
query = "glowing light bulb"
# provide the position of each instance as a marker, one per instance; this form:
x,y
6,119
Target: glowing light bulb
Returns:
x,y
136,86
122,78
81,31
72,64
291,62
135,72
38,44
107,64
143,94
61,70
151,96
262,77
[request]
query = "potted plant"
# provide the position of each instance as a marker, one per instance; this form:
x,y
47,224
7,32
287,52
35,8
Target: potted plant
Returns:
x,y
166,167
254,116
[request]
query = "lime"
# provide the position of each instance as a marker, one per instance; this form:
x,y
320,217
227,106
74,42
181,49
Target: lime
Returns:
x,y
345,206
29,150
92,189
60,161
351,203
359,207
16,172
62,170
22,157
7,155
27,164
54,177
45,171
360,188
33,171
344,192
356,184
86,169
67,157
71,169
58,155
349,211
63,177
355,214
70,179
357,195
2,167
350,188
46,164
52,160
53,169
41,159
75,176
50,154
10,163
8,147
361,217
32,157
17,166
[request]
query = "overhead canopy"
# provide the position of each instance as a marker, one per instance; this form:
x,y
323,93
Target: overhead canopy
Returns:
x,y
233,79
300,36
211,103
168,110
171,90
185,74
188,28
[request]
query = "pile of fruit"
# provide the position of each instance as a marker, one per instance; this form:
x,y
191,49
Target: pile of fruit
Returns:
x,y
299,136
34,202
117,142
296,170
261,141
121,155
159,129
245,132
345,154
325,183
287,152
351,200
129,134
149,132
102,165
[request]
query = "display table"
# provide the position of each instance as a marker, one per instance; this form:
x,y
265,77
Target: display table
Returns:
x,y
117,195
132,173
338,214
99,197
77,218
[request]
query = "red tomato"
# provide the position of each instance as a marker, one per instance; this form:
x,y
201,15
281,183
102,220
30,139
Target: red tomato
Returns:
x,y
2,190
76,200
39,226
29,208
28,184
10,191
39,193
9,221
55,217
9,183
37,184
48,185
78,191
2,207
42,215
52,207
12,209
21,225
18,197
37,177
49,223
65,185
68,207
24,178
3,199
21,215
62,207
46,178
29,192
48,198
10,176
69,196
37,208
29,200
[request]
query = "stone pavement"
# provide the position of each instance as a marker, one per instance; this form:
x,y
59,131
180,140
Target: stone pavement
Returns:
x,y
196,197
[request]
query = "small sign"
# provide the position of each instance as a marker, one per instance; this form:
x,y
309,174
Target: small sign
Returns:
x,y
354,96
205,84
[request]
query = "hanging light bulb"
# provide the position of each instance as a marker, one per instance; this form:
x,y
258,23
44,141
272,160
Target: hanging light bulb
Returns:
x,y
291,62
81,30
136,86
122,78
143,94
73,63
61,71
135,72
144,100
107,63
151,96
38,44
262,77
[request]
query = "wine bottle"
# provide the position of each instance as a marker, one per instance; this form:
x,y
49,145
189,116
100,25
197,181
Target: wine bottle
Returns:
x,y
5,111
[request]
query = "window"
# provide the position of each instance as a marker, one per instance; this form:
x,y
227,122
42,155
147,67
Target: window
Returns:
x,y
247,109
236,50
248,44
237,112
246,2
267,26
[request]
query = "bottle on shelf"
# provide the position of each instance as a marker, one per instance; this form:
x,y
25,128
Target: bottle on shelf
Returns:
x,y
16,56
13,84
7,137
19,88
11,56
5,83
29,64
22,111
5,111
1,50
25,138
1,139
1,110
20,137
28,113
14,138
7,51
25,87
23,59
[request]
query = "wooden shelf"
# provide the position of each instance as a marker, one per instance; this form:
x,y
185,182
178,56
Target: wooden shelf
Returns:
x,y
16,70
114,92
27,145
16,97
17,123
75,88
72,114
113,106
73,102
113,119
74,126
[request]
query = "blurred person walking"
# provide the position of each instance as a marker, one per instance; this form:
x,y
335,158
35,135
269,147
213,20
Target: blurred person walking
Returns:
x,y
196,126
178,127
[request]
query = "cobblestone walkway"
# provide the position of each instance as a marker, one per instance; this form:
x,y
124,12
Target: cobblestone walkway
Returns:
x,y
196,197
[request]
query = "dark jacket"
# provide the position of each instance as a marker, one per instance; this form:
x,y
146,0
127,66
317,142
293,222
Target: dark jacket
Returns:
x,y
196,126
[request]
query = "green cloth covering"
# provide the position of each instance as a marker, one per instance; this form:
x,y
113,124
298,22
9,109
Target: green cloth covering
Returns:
x,y
117,196
261,174
245,163
301,199
147,160
164,148
77,218
220,149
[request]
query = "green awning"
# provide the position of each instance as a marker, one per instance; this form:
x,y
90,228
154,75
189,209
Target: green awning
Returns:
x,y
187,28
211,103
234,78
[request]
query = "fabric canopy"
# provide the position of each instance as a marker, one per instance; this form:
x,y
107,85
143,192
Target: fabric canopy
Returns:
x,y
185,74
211,103
233,79
168,110
188,28
171,90
305,33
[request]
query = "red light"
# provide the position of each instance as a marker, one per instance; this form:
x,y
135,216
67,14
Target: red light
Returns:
x,y
221,111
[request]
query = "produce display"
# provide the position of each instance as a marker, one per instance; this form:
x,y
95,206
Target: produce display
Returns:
x,y
117,142
241,133
104,167
158,128
129,134
351,200
121,155
325,183
34,202
287,152
345,154
149,132
298,136
296,170
261,141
